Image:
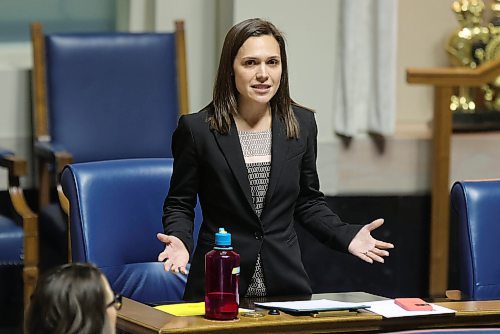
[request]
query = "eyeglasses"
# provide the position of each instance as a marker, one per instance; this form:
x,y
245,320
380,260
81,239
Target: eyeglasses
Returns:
x,y
117,302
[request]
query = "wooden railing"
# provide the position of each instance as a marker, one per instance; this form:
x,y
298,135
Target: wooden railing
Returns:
x,y
444,81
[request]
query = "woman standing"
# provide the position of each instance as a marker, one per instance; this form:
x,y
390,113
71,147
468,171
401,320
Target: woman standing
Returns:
x,y
250,157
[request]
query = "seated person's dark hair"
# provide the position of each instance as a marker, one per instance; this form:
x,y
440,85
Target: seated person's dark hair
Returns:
x,y
72,298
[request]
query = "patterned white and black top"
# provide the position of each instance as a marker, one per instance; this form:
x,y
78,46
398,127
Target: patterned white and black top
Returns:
x,y
256,147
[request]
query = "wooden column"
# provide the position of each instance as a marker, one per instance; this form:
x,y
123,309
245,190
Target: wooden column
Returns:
x,y
440,175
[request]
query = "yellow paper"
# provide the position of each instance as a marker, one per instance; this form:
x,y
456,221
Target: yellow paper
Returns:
x,y
188,309
183,309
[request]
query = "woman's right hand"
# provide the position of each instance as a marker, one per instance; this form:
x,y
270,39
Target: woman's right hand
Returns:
x,y
175,254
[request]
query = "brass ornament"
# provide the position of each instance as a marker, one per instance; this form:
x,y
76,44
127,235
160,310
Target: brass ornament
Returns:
x,y
471,45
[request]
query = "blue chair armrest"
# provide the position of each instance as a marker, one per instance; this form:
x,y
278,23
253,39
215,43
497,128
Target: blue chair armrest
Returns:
x,y
146,282
5,153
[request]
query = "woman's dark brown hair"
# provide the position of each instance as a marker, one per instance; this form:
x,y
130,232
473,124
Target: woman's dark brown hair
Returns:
x,y
69,299
225,101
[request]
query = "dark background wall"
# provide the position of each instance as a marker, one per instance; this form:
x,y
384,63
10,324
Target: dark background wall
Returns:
x,y
405,271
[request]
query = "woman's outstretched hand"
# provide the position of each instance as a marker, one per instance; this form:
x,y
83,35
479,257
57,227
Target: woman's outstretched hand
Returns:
x,y
175,254
367,248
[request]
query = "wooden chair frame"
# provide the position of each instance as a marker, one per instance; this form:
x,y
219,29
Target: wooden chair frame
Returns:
x,y
29,220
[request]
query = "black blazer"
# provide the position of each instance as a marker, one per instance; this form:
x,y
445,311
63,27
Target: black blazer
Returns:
x,y
212,166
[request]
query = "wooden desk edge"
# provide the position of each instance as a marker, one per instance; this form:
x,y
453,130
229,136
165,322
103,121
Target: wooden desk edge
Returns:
x,y
140,318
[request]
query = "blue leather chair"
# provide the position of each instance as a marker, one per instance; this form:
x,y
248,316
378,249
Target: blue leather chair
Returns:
x,y
101,96
115,213
476,206
18,236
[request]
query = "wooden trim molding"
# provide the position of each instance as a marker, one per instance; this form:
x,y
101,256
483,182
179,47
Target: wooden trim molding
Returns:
x,y
43,183
63,200
30,240
39,83
455,76
180,47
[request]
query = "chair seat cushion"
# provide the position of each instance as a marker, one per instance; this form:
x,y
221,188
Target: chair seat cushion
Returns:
x,y
146,282
11,242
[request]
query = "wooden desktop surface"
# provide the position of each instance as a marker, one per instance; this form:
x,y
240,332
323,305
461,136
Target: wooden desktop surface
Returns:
x,y
135,317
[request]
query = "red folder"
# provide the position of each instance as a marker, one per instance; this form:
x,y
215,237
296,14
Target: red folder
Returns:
x,y
413,304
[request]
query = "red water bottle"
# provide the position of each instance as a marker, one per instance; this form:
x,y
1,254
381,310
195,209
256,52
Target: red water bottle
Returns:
x,y
222,275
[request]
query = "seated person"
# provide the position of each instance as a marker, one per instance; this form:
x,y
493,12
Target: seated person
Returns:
x,y
72,298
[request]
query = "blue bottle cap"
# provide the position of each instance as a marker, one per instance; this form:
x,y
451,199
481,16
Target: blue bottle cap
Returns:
x,y
222,238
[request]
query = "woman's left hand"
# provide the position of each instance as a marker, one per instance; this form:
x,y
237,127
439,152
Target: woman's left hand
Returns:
x,y
366,247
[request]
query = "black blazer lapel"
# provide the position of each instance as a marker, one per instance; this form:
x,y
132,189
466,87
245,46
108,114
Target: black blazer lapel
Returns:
x,y
280,145
231,148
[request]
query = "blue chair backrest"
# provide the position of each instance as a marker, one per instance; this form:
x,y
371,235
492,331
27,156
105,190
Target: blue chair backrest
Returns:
x,y
115,213
477,206
112,95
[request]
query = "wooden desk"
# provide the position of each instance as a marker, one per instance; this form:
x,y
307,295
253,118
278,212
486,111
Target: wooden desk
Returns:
x,y
135,317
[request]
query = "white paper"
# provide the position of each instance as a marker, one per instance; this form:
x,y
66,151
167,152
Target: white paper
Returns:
x,y
389,309
313,305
